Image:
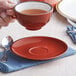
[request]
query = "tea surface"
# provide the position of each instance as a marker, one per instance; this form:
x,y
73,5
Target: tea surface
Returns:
x,y
33,11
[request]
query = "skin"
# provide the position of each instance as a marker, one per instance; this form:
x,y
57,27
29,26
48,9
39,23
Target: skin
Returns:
x,y
6,12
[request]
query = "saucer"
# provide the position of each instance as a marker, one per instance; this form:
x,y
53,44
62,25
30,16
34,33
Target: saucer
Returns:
x,y
71,22
67,8
39,47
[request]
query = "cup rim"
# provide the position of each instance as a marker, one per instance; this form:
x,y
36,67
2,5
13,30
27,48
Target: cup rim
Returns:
x,y
51,10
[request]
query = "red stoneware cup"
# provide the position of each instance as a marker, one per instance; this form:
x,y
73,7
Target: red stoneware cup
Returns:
x,y
33,21
52,2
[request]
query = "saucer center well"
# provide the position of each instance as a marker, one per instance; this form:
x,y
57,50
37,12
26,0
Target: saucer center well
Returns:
x,y
38,51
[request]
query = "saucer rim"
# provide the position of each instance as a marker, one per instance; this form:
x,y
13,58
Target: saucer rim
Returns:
x,y
63,14
71,22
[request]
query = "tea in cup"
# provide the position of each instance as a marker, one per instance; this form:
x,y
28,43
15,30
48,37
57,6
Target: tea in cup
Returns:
x,y
33,14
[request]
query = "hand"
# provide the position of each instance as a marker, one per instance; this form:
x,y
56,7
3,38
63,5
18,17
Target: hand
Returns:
x,y
6,12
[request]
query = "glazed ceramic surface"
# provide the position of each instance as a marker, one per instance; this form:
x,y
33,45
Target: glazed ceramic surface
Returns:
x,y
39,47
33,22
67,9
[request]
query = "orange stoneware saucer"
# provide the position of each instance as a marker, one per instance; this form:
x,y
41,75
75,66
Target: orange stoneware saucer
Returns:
x,y
39,47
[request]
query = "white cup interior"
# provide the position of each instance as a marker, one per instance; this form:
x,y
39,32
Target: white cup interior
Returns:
x,y
33,5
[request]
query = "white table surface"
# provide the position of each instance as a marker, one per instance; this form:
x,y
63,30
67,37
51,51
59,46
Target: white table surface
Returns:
x,y
56,27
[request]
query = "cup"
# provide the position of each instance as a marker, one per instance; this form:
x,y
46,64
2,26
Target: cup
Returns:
x,y
52,2
33,21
